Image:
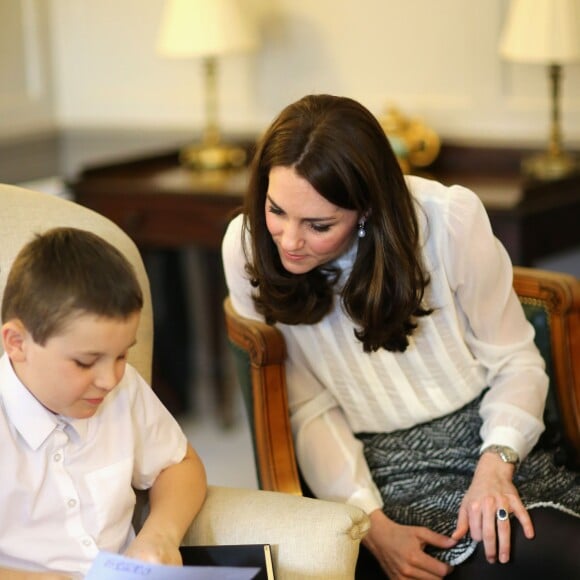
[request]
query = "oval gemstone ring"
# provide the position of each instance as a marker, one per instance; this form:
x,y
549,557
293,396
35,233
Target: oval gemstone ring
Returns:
x,y
502,514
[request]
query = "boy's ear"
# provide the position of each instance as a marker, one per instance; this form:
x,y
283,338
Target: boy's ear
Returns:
x,y
14,336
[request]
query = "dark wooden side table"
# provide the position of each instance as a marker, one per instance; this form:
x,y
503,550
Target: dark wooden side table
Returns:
x,y
159,203
162,205
533,220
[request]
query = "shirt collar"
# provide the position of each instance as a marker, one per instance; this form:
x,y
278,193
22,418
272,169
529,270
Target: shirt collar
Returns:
x,y
77,427
30,418
345,262
346,259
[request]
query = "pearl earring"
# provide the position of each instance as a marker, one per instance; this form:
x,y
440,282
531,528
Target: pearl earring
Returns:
x,y
362,231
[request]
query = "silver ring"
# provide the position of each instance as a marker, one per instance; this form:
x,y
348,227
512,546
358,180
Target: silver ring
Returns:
x,y
502,514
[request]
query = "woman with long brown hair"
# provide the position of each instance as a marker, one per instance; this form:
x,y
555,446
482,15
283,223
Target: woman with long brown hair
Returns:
x,y
415,388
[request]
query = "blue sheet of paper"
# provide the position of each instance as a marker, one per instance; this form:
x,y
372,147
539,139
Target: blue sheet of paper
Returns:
x,y
107,566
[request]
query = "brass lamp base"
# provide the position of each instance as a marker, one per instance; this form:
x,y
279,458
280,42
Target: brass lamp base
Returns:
x,y
220,156
547,166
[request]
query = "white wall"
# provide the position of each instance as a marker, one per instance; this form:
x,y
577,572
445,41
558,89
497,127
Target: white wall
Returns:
x,y
25,68
92,64
436,59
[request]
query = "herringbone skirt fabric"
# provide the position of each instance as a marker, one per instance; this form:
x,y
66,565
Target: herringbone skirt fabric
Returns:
x,y
423,473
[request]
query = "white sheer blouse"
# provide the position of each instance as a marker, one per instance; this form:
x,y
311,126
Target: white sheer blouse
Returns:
x,y
477,336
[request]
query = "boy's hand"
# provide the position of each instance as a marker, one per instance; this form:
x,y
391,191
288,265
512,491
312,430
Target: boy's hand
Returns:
x,y
155,548
174,499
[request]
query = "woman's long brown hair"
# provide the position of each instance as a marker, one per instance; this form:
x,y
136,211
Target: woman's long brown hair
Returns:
x,y
339,147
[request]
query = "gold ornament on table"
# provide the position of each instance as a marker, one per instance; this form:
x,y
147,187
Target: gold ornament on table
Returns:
x,y
414,143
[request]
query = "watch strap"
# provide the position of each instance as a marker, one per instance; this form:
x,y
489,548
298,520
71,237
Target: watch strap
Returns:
x,y
507,454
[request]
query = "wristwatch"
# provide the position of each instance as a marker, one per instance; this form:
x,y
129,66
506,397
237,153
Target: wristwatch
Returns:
x,y
507,454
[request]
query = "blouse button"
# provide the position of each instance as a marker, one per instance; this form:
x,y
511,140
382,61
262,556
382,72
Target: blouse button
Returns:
x,y
57,457
87,542
72,503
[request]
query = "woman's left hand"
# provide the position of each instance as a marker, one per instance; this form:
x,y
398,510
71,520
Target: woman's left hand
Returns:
x,y
491,490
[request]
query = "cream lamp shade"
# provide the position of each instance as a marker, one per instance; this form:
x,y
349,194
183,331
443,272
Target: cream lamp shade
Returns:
x,y
542,31
545,32
208,29
198,28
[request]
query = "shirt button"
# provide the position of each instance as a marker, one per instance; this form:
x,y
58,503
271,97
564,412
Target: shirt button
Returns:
x,y
87,542
72,503
57,457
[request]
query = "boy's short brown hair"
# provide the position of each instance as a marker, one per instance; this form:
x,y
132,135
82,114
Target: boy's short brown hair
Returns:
x,y
65,272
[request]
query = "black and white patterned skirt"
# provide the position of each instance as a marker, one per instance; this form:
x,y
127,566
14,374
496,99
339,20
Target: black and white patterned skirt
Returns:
x,y
423,473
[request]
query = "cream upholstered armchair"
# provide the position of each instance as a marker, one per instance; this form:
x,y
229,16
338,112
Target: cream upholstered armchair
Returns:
x,y
310,539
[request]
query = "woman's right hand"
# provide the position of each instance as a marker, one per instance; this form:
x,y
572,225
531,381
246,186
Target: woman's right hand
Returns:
x,y
400,549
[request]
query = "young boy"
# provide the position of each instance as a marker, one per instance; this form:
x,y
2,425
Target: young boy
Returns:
x,y
79,427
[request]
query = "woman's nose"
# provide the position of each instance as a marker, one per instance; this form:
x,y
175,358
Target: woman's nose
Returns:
x,y
291,238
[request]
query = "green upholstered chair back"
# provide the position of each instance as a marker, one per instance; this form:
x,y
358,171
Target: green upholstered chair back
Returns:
x,y
539,316
242,365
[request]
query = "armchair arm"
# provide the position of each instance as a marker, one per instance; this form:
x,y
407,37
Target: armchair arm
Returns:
x,y
558,295
260,353
310,538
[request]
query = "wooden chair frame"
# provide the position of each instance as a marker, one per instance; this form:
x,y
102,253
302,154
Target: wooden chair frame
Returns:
x,y
273,445
557,293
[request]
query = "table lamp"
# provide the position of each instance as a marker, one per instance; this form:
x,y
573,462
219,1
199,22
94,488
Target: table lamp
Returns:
x,y
545,32
207,29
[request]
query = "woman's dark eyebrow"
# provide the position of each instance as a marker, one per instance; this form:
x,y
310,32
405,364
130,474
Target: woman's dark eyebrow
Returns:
x,y
272,202
309,220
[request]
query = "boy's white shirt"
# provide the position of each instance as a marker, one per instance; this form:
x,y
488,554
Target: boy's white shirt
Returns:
x,y
66,484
